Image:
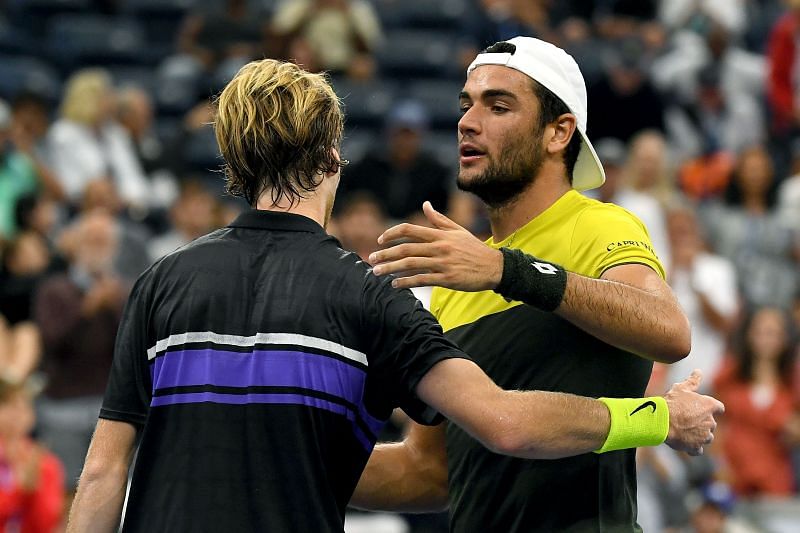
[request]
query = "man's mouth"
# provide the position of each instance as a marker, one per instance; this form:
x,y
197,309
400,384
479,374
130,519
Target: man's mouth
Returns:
x,y
470,152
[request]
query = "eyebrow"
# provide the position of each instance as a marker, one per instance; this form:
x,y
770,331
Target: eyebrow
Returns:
x,y
488,93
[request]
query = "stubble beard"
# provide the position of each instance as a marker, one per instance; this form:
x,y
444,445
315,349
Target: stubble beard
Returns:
x,y
503,181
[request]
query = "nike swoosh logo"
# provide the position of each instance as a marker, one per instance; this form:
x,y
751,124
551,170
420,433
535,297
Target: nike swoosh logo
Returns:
x,y
645,404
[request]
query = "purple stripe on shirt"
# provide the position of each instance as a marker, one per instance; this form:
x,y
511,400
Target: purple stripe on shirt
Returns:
x,y
241,399
264,368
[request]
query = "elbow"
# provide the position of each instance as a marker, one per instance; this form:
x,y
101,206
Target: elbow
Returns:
x,y
97,472
507,438
679,342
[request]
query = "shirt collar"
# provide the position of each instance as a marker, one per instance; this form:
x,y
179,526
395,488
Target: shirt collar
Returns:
x,y
275,220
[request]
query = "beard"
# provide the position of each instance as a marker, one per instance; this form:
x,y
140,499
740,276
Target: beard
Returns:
x,y
504,180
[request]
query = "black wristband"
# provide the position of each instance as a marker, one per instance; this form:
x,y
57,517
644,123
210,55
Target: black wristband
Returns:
x,y
531,280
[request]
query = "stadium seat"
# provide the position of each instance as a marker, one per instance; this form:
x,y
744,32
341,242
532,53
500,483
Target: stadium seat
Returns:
x,y
14,40
161,18
357,142
366,103
440,97
33,16
439,14
77,40
418,53
201,151
176,85
127,75
20,73
443,145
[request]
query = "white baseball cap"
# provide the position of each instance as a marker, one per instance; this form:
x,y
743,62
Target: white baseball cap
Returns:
x,y
556,70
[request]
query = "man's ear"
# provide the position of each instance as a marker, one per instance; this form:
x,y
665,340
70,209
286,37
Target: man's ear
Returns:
x,y
341,162
564,127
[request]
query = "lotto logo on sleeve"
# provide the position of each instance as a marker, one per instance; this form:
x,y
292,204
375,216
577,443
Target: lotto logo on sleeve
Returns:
x,y
545,268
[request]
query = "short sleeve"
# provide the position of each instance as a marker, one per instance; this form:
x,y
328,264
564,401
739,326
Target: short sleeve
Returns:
x,y
606,236
129,388
406,341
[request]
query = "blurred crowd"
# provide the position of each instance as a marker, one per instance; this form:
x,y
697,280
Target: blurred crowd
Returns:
x,y
108,162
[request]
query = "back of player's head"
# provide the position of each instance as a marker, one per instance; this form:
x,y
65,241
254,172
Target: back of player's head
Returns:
x,y
277,126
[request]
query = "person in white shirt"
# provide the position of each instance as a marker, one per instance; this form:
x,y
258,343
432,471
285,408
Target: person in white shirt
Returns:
x,y
86,144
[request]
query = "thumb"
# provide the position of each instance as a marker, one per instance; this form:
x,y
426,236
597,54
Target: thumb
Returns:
x,y
438,219
692,383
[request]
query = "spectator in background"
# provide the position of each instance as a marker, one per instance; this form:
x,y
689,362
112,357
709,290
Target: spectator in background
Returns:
x,y
341,34
747,230
756,387
612,153
192,215
78,314
32,487
214,36
30,123
705,285
87,144
715,121
784,72
647,187
713,512
359,223
18,176
626,89
399,171
135,115
789,190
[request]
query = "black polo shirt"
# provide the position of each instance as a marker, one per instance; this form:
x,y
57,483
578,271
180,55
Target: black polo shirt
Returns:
x,y
261,361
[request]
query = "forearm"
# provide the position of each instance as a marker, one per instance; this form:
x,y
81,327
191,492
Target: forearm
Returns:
x,y
98,502
545,425
395,480
643,322
101,490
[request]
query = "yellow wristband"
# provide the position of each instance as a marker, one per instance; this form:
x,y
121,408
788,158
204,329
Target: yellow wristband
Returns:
x,y
636,422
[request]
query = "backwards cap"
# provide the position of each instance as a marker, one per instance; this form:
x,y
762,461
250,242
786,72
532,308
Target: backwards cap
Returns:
x,y
556,70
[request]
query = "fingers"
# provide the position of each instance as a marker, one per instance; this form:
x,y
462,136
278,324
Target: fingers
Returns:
x,y
438,219
400,251
409,232
418,280
403,265
692,383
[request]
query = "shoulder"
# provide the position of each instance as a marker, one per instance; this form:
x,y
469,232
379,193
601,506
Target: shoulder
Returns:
x,y
599,216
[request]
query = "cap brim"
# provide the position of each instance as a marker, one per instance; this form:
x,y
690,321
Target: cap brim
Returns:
x,y
588,172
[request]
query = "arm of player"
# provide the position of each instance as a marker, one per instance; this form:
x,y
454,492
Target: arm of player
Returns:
x,y
630,307
527,424
101,489
408,476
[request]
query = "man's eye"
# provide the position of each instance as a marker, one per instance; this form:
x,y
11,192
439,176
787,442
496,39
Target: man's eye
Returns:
x,y
499,109
463,108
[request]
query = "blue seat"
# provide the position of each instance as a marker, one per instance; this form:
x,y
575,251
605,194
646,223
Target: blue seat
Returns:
x,y
77,40
365,103
201,151
440,97
439,14
21,73
419,53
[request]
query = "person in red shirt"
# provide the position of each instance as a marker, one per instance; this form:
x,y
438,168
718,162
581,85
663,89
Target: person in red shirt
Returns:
x,y
31,478
782,86
760,405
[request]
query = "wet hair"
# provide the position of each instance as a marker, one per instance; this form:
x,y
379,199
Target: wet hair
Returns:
x,y
277,126
550,108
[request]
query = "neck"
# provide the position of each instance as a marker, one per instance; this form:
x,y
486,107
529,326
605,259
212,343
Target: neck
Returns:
x,y
755,204
313,207
530,203
764,372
